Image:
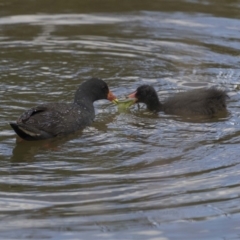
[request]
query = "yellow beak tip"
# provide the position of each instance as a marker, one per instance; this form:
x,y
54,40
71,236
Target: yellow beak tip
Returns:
x,y
115,101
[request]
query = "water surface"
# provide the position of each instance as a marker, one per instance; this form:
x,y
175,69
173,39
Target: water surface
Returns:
x,y
132,174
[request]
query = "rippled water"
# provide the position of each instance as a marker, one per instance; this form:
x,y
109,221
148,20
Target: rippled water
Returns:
x,y
132,174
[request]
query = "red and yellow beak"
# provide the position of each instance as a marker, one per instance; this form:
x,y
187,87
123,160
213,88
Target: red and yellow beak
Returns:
x,y
111,97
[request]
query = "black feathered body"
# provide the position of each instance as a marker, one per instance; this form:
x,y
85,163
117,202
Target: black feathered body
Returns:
x,y
203,101
55,119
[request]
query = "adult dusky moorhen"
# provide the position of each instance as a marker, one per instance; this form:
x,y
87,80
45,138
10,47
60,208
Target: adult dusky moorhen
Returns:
x,y
56,119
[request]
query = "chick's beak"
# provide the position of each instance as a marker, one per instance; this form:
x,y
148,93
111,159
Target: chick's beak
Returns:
x,y
133,95
111,97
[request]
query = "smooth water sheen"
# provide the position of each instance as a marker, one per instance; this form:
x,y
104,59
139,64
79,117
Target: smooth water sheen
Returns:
x,y
132,174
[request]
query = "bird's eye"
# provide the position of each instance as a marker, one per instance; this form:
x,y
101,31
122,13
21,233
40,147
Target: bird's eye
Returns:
x,y
104,87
